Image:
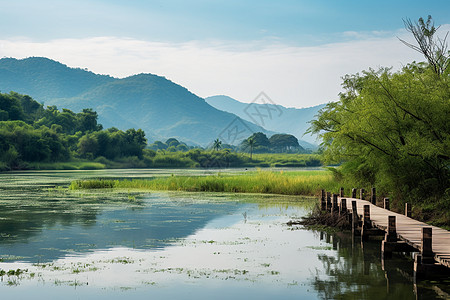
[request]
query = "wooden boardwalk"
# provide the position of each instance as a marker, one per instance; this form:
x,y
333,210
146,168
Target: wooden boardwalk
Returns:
x,y
407,229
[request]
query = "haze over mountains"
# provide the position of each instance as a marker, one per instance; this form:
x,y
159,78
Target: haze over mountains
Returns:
x,y
272,117
153,103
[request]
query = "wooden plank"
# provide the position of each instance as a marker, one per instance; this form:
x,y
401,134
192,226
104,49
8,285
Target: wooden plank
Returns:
x,y
408,229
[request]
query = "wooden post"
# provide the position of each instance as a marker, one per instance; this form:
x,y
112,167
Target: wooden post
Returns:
x,y
329,201
366,223
335,207
390,239
427,250
386,203
343,211
355,218
373,197
408,210
391,234
366,219
323,200
361,194
353,193
341,192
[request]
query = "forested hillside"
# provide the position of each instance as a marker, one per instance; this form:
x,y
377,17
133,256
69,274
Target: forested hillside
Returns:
x,y
160,107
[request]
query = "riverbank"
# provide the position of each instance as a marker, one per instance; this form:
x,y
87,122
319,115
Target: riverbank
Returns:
x,y
192,159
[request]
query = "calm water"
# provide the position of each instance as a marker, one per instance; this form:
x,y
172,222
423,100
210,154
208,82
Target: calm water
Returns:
x,y
104,245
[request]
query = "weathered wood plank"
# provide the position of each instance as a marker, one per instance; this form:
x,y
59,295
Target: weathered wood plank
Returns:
x,y
407,229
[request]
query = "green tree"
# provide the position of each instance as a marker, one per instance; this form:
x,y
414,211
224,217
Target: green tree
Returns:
x,y
391,129
217,144
433,48
250,143
88,146
87,119
284,142
10,108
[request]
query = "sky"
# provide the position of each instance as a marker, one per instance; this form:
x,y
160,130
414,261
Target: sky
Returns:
x,y
296,51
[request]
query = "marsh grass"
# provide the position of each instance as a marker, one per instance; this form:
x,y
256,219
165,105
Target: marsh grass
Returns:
x,y
71,165
263,182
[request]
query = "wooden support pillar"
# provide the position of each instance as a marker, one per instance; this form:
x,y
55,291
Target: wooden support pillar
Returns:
x,y
353,193
366,223
323,200
328,201
427,250
355,218
343,210
391,234
373,197
341,192
386,203
366,215
391,243
361,194
334,205
408,210
426,270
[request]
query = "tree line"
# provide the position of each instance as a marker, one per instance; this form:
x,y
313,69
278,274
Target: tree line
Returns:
x,y
31,133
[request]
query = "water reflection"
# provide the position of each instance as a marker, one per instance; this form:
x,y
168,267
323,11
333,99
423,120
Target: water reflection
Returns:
x,y
356,271
43,228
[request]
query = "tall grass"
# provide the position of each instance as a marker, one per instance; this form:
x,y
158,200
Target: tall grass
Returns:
x,y
71,165
93,184
268,182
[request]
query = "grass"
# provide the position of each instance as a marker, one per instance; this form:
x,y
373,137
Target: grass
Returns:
x,y
195,158
71,165
265,182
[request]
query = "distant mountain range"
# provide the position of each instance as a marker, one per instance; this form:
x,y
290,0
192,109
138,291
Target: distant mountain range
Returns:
x,y
157,105
153,103
272,117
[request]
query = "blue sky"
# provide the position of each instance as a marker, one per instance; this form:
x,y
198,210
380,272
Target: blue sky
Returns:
x,y
295,51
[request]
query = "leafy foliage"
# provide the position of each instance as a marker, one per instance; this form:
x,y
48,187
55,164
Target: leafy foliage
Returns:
x,y
278,143
29,134
391,130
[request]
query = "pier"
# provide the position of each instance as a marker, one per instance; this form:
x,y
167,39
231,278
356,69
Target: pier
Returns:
x,y
429,245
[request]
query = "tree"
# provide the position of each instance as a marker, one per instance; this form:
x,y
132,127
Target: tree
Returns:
x,y
434,49
88,120
284,142
10,108
172,142
250,143
217,144
88,146
158,145
391,129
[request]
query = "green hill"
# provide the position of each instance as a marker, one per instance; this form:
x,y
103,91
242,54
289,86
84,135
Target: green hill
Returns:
x,y
150,102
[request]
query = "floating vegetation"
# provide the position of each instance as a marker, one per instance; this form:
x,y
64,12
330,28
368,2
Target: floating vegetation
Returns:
x,y
93,184
16,272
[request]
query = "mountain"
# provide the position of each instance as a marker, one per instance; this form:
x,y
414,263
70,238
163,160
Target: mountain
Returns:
x,y
155,104
272,117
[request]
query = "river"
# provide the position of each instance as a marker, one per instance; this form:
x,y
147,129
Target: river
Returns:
x,y
115,245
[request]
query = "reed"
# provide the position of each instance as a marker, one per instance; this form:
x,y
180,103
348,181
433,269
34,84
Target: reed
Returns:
x,y
266,182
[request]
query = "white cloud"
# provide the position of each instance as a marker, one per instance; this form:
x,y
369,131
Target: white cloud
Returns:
x,y
291,76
